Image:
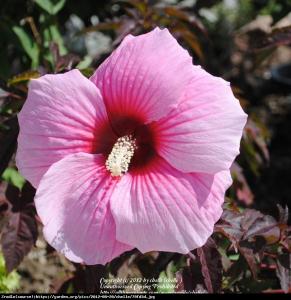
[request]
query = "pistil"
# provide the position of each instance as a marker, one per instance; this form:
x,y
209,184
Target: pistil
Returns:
x,y
121,154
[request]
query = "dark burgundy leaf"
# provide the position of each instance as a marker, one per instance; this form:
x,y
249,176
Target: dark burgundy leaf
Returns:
x,y
106,26
8,139
236,270
20,232
250,216
19,236
185,16
182,32
87,278
4,206
285,260
211,266
49,249
186,283
190,277
3,214
93,275
255,223
278,37
250,232
284,272
62,286
232,218
156,267
267,227
249,256
233,234
20,199
248,224
259,245
3,187
231,226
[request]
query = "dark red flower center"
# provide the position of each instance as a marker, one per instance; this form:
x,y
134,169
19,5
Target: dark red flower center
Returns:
x,y
120,126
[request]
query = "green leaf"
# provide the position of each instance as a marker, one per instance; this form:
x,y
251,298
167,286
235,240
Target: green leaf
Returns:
x,y
234,257
45,5
87,72
50,7
58,6
28,45
12,176
8,283
165,285
57,37
51,34
85,63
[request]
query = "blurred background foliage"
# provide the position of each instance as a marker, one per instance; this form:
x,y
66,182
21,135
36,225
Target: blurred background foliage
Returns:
x,y
247,43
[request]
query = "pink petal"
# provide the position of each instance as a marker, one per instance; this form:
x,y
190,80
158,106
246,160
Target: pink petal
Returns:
x,y
203,134
146,74
73,203
166,210
60,116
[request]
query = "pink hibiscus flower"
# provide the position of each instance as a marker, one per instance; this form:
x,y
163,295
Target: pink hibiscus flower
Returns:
x,y
136,156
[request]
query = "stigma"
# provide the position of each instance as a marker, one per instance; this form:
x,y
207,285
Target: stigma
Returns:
x,y
121,154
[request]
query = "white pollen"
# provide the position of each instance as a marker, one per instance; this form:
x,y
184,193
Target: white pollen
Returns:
x,y
119,159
